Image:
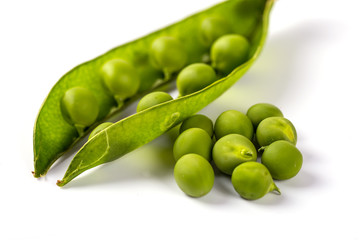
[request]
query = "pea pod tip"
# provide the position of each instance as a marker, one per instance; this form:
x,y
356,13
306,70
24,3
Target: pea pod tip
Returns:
x,y
60,183
36,175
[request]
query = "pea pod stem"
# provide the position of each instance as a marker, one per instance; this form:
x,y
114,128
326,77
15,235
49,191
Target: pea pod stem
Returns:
x,y
119,101
80,129
167,75
261,149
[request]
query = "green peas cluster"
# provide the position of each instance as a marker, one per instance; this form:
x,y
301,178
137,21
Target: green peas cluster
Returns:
x,y
122,80
233,151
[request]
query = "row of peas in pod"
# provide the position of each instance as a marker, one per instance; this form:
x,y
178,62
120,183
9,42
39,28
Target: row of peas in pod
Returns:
x,y
232,145
227,50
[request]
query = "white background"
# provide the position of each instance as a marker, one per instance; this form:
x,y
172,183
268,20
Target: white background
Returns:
x,y
309,68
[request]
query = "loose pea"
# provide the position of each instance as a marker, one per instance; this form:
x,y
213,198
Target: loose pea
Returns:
x,y
193,140
198,121
153,99
282,159
121,78
260,111
232,150
272,129
229,52
168,54
80,107
194,78
233,121
252,180
212,28
194,175
100,128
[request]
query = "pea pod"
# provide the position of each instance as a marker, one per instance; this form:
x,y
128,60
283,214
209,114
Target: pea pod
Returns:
x,y
138,129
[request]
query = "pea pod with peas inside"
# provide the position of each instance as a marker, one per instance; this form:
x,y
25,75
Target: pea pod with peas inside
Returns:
x,y
53,134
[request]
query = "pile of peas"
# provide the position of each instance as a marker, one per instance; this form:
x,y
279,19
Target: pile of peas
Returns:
x,y
227,51
231,144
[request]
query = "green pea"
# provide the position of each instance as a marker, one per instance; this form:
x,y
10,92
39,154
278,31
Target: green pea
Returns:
x,y
233,121
252,180
100,128
121,78
80,107
193,140
232,150
194,175
272,129
229,52
282,159
260,111
153,99
198,121
212,28
167,54
194,78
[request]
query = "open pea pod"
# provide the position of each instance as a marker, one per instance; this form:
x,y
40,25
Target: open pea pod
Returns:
x,y
141,128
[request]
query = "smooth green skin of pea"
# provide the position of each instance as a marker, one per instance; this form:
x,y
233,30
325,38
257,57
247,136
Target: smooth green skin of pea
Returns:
x,y
100,128
153,99
233,121
167,54
194,78
211,28
198,121
232,150
194,175
258,112
193,140
80,107
273,129
229,52
282,159
252,180
121,78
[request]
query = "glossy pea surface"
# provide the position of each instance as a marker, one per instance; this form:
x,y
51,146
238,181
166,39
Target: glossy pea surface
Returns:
x,y
194,78
211,28
121,78
233,121
252,180
153,99
168,54
193,140
258,112
80,107
231,151
229,52
282,159
100,128
198,121
273,129
194,175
